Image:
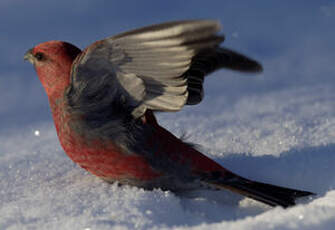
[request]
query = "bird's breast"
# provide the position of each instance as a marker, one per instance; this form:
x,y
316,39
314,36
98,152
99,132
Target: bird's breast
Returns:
x,y
101,157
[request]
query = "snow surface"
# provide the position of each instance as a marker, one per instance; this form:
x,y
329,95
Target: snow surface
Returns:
x,y
285,137
277,127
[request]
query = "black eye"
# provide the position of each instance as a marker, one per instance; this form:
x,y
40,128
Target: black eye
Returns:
x,y
39,56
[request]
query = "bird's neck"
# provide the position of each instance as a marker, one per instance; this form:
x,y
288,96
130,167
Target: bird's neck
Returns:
x,y
55,88
56,84
57,101
55,79
58,109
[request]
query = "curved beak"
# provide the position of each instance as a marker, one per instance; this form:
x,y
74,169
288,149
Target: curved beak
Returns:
x,y
28,56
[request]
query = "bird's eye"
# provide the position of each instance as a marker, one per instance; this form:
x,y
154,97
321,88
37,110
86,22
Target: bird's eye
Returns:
x,y
39,56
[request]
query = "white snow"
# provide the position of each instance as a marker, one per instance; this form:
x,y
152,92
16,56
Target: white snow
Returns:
x,y
277,127
285,137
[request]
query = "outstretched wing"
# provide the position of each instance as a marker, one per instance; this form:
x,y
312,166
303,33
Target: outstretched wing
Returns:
x,y
141,69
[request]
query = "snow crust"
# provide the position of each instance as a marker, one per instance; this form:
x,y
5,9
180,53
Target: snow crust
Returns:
x,y
285,137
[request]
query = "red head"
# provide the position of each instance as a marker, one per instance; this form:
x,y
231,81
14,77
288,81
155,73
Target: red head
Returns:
x,y
52,61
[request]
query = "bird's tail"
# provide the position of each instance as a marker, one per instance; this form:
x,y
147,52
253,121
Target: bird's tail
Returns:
x,y
270,194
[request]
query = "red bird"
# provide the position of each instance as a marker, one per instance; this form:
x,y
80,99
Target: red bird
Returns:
x,y
103,98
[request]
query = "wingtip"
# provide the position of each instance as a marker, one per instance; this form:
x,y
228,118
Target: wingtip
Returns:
x,y
258,68
233,60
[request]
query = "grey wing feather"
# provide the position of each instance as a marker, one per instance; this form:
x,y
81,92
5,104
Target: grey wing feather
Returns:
x,y
145,67
208,61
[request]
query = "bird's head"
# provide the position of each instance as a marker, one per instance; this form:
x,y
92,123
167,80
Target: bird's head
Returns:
x,y
52,61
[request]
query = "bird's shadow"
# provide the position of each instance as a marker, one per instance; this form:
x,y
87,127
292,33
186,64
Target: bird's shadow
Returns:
x,y
309,169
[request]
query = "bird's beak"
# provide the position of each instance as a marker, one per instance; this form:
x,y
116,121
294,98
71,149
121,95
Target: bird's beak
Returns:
x,y
28,56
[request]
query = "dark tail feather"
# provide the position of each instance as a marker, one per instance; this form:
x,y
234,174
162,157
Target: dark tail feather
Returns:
x,y
269,194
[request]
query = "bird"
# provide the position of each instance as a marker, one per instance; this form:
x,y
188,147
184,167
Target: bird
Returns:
x,y
103,101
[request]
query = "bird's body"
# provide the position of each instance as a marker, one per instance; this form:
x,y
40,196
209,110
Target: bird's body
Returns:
x,y
103,98
173,163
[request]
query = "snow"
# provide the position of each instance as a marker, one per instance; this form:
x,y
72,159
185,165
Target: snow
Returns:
x,y
285,137
277,127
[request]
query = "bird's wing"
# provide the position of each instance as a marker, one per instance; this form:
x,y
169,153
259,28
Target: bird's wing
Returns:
x,y
142,69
